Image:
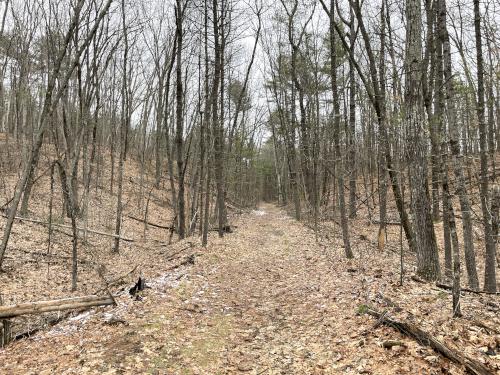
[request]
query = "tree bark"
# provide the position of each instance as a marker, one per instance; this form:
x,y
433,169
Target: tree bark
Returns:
x,y
336,132
7,312
124,123
426,247
490,283
454,137
181,204
216,123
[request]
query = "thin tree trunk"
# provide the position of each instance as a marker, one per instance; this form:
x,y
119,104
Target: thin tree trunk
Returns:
x,y
216,124
181,209
123,134
495,213
454,135
352,122
336,125
74,258
490,283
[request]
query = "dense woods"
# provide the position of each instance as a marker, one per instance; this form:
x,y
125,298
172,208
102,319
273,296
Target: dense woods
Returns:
x,y
339,111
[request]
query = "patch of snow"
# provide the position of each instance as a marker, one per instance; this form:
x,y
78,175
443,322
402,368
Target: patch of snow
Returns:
x,y
80,317
170,280
258,212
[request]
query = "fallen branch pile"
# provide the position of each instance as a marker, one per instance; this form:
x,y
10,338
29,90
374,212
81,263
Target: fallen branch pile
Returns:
x,y
424,338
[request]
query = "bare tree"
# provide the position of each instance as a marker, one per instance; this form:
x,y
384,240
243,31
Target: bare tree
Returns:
x,y
124,124
52,96
490,284
181,204
336,122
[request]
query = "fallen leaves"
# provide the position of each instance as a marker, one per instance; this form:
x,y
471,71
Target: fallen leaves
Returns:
x,y
267,299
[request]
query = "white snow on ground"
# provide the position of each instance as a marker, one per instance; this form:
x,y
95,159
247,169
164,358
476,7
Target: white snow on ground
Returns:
x,y
258,212
169,280
81,317
72,324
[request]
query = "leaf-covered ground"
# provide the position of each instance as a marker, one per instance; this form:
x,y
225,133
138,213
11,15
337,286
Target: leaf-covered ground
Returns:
x,y
267,299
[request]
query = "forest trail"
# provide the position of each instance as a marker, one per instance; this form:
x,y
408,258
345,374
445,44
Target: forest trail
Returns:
x,y
266,299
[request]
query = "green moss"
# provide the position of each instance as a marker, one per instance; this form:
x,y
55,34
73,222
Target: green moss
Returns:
x,y
442,295
362,309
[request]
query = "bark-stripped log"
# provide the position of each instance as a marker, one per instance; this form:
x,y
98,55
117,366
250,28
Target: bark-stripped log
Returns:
x,y
7,312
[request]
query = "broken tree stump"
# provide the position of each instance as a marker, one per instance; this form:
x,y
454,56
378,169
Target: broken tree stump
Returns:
x,y
425,338
5,329
6,333
139,286
7,312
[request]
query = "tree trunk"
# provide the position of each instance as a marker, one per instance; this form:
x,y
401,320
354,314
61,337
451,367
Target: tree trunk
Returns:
x,y
123,134
181,204
454,136
427,252
216,123
336,136
490,283
352,122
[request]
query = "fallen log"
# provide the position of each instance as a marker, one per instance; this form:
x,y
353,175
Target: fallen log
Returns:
x,y
174,255
225,229
53,257
424,338
52,321
484,326
387,222
449,287
7,312
149,223
93,231
417,279
189,260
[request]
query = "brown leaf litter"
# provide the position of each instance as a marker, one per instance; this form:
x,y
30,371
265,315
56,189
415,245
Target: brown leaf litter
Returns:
x,y
267,299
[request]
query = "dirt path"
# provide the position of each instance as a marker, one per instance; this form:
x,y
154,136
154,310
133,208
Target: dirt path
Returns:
x,y
266,299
